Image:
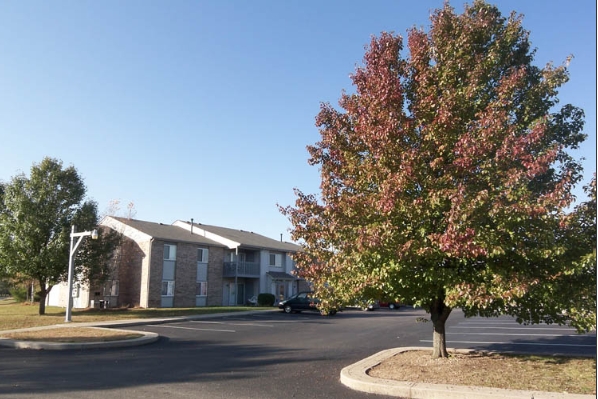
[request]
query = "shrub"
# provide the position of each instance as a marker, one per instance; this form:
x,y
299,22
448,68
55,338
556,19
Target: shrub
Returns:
x,y
19,294
265,299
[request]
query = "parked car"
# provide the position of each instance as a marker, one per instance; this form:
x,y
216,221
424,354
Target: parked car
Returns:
x,y
303,301
367,305
390,305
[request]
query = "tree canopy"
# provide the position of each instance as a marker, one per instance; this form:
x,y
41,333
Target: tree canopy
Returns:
x,y
446,175
36,215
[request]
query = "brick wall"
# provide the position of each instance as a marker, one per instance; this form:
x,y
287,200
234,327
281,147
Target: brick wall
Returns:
x,y
154,295
129,272
185,275
215,269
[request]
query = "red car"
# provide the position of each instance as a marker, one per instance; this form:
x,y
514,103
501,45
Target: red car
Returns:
x,y
390,305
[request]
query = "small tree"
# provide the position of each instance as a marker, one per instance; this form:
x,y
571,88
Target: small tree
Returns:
x,y
446,176
36,215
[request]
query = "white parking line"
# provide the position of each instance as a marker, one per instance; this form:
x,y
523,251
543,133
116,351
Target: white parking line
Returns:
x,y
269,321
518,328
511,334
232,324
512,343
489,322
194,329
514,324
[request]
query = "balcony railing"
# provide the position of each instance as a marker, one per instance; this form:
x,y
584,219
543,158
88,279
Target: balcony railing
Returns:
x,y
243,269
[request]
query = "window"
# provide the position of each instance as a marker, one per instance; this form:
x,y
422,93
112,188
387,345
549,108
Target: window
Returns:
x,y
169,252
275,259
111,288
201,283
202,272
168,270
242,257
201,288
202,255
167,288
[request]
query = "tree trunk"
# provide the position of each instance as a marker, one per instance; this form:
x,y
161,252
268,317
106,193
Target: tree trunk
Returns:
x,y
439,313
43,293
42,303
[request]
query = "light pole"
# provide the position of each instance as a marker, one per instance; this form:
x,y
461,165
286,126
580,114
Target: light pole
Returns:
x,y
94,236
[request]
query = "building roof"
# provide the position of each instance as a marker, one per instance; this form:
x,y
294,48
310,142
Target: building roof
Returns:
x,y
249,238
167,232
281,276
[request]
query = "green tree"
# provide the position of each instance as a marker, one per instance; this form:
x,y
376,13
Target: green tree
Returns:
x,y
445,176
36,215
575,291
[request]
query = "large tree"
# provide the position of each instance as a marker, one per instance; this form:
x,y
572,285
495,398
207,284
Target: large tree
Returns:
x,y
36,215
445,176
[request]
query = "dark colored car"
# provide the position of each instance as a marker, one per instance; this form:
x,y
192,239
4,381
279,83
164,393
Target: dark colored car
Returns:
x,y
303,301
367,305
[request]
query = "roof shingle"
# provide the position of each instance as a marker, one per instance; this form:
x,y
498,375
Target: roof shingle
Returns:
x,y
167,232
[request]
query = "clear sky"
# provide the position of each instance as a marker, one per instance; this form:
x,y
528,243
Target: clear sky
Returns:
x,y
203,109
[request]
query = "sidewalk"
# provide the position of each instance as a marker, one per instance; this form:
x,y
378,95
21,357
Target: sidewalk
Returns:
x,y
354,376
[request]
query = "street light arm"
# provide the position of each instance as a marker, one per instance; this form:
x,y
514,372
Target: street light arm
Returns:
x,y
74,248
94,236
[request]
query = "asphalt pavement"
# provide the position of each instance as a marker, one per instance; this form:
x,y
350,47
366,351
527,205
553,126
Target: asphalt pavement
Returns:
x,y
354,376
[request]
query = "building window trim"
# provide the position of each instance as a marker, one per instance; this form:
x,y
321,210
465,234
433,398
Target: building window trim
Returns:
x,y
202,255
169,252
168,270
201,289
275,259
168,289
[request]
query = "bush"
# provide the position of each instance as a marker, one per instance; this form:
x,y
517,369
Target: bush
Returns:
x,y
19,294
266,299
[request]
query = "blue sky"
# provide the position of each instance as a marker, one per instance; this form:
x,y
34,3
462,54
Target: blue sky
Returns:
x,y
203,109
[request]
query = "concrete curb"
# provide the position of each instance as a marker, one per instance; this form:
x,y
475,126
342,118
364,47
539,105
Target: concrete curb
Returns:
x,y
146,338
164,320
355,377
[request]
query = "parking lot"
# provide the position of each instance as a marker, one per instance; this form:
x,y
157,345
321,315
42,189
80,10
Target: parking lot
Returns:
x,y
504,334
266,355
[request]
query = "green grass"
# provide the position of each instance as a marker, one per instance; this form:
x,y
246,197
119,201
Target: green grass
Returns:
x,y
14,315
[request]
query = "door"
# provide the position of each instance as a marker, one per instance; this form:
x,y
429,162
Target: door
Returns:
x,y
226,295
241,294
232,294
281,291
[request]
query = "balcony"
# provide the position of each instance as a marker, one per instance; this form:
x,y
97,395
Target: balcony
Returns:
x,y
243,269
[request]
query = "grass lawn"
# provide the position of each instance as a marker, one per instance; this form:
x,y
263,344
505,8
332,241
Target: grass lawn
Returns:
x,y
23,315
